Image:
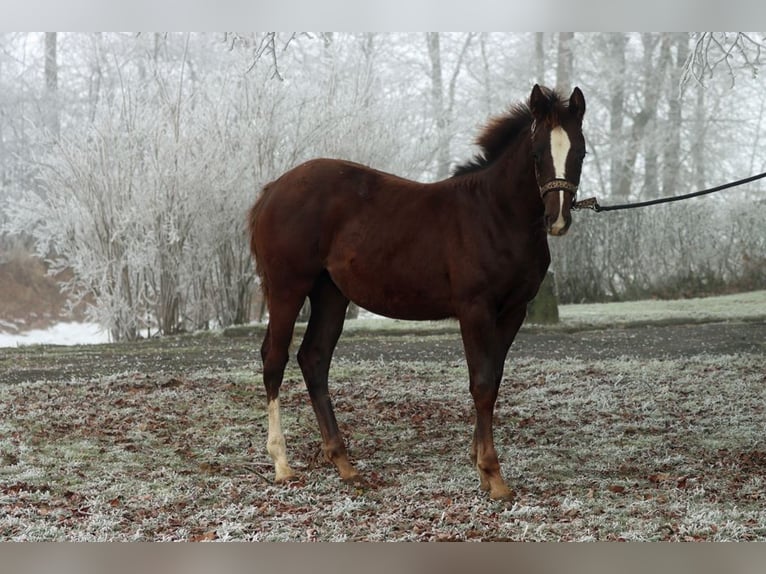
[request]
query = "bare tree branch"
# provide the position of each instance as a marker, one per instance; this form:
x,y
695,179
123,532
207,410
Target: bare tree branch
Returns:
x,y
732,49
271,43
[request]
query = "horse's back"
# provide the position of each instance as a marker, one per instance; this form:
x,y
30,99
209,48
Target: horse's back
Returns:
x,y
379,236
326,179
329,194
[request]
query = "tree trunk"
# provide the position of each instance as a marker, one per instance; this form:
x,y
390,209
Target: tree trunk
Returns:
x,y
565,65
618,171
699,175
4,163
540,58
352,311
671,164
96,78
366,86
486,76
51,85
442,104
644,120
654,79
437,102
544,309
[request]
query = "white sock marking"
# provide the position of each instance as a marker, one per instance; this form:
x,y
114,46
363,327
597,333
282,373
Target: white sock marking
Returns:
x,y
275,443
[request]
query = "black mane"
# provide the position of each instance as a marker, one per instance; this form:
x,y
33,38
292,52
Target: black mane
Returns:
x,y
500,132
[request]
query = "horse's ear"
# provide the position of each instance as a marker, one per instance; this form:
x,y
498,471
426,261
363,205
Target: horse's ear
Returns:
x,y
577,103
539,103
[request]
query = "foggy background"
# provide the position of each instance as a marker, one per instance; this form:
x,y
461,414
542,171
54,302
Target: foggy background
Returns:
x,y
128,161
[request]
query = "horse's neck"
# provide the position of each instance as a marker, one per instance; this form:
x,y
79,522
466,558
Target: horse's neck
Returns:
x,y
514,187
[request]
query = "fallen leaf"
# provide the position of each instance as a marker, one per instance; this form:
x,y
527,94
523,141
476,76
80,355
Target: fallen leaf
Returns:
x,y
529,421
206,537
210,467
659,477
617,489
171,383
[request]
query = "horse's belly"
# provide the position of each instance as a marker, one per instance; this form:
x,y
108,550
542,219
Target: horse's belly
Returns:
x,y
414,298
397,310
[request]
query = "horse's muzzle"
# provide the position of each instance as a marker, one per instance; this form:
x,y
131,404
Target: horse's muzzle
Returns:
x,y
557,228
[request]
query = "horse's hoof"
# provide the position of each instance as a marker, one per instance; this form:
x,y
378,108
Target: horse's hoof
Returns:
x,y
355,480
502,494
285,478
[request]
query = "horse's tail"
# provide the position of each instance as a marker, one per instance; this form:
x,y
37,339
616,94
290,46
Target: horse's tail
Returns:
x,y
252,221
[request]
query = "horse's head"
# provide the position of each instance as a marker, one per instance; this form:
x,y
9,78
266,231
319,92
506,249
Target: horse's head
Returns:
x,y
558,150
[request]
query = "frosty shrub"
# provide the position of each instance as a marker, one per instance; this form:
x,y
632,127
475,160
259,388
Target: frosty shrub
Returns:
x,y
698,247
144,208
146,203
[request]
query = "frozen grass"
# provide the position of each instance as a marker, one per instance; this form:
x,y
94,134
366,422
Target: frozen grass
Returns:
x,y
750,306
742,306
598,450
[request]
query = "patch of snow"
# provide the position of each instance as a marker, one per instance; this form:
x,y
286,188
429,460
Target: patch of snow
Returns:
x,y
58,334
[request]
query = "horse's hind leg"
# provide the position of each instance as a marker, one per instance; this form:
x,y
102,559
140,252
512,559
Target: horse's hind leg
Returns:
x,y
328,312
275,352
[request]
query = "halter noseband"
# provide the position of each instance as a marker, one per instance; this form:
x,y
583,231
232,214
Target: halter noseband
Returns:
x,y
558,185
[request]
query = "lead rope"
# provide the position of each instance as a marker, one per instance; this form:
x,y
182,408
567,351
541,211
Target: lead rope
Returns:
x,y
592,202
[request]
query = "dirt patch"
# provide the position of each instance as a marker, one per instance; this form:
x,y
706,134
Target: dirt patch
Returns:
x,y
190,354
650,341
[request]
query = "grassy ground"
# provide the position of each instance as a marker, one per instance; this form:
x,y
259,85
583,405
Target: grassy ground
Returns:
x,y
739,307
750,306
154,442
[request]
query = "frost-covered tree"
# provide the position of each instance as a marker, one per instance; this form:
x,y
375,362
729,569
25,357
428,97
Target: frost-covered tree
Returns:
x,y
166,139
146,202
142,206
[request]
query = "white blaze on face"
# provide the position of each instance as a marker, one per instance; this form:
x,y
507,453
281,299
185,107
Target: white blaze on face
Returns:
x,y
275,444
560,145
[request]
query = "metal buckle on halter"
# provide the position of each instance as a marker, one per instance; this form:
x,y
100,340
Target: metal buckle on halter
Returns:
x,y
590,203
558,185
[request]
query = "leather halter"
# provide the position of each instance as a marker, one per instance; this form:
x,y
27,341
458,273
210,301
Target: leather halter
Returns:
x,y
558,185
555,184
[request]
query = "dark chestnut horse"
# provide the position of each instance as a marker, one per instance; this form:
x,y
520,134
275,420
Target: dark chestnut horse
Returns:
x,y
472,246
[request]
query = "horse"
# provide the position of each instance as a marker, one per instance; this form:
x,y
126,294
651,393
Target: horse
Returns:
x,y
471,247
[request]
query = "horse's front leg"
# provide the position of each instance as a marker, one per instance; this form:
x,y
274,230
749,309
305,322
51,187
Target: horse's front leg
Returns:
x,y
486,340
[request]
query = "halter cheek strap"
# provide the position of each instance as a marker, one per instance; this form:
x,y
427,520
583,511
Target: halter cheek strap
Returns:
x,y
558,185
